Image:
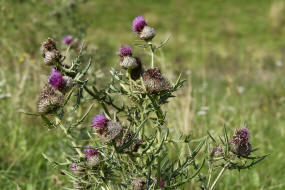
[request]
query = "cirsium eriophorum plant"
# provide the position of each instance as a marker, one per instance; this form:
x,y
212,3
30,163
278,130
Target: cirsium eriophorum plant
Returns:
x,y
126,144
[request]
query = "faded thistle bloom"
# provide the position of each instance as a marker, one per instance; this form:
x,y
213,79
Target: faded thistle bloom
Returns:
x,y
67,39
50,53
154,81
144,31
127,60
92,157
50,100
107,130
239,143
138,184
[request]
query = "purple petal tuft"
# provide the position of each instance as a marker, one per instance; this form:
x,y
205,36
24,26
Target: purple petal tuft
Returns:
x,y
139,23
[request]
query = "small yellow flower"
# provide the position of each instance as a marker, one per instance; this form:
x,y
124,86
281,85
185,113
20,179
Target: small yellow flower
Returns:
x,y
25,55
229,79
21,60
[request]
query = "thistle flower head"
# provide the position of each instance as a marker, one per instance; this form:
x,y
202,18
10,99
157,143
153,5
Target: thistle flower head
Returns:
x,y
125,138
90,152
77,169
240,142
56,79
128,62
154,81
147,33
217,152
139,23
125,50
67,39
138,184
49,100
99,121
50,53
112,131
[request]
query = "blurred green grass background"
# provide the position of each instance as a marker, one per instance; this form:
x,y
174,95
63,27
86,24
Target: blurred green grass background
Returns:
x,y
230,52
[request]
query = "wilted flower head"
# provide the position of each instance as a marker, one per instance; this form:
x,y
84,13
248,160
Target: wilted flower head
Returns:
x,y
56,79
50,53
68,39
240,142
125,50
154,81
92,157
138,184
139,23
147,33
99,121
49,100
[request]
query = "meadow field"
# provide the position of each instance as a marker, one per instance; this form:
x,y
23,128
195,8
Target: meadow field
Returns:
x,y
232,54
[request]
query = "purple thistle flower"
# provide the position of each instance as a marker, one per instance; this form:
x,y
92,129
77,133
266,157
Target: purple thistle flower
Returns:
x,y
125,50
56,79
219,149
139,23
240,142
73,166
90,152
99,120
67,40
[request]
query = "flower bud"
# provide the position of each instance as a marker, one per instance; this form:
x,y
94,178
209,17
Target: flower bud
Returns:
x,y
50,100
139,184
154,81
68,84
239,143
67,39
217,152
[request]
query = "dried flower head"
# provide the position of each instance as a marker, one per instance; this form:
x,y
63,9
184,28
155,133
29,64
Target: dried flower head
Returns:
x,y
147,33
56,79
67,39
138,184
49,45
154,81
50,100
125,51
68,84
239,143
50,53
139,23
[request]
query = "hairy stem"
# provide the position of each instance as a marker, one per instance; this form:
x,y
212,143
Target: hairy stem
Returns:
x,y
219,176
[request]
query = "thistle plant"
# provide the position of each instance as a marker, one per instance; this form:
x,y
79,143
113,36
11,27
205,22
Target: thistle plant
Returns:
x,y
126,144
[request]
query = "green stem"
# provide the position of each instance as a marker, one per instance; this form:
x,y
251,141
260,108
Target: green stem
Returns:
x,y
219,176
152,53
69,136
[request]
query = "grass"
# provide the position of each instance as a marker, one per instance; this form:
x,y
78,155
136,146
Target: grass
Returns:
x,y
229,52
